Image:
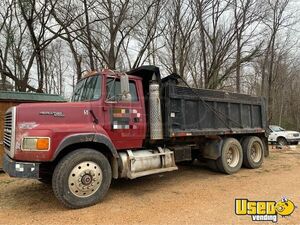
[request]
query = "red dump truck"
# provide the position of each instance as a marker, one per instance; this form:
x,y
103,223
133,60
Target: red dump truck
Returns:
x,y
128,125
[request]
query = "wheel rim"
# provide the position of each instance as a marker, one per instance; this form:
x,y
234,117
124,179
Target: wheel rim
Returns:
x,y
85,179
256,152
281,142
232,156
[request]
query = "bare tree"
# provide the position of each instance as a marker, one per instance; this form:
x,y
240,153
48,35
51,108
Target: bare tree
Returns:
x,y
246,15
37,16
178,36
15,56
145,33
67,14
274,20
5,26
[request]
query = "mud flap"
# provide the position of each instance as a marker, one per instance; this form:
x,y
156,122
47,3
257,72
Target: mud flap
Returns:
x,y
212,149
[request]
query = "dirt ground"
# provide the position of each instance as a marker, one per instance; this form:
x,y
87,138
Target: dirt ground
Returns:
x,y
191,195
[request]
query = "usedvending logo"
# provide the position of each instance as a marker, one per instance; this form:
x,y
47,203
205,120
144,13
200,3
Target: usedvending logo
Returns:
x,y
264,210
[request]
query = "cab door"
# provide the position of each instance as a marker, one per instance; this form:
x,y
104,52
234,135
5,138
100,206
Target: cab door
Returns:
x,y
125,122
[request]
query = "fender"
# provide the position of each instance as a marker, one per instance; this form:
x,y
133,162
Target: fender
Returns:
x,y
86,137
280,137
213,149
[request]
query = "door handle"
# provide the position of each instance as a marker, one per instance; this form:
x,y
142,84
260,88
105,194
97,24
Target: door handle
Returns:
x,y
136,119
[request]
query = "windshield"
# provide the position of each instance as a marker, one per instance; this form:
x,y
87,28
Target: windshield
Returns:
x,y
276,128
87,89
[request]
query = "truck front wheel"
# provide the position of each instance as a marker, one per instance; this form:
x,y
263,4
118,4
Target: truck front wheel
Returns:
x,y
231,158
81,178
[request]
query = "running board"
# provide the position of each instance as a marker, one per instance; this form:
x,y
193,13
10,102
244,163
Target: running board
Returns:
x,y
150,172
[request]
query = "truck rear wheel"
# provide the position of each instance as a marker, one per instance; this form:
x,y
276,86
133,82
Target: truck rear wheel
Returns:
x,y
231,158
82,178
253,150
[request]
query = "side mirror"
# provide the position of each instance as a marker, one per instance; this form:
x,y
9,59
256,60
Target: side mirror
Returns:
x,y
125,88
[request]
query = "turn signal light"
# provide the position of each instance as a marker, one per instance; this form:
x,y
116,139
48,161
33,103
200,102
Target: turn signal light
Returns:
x,y
36,143
42,144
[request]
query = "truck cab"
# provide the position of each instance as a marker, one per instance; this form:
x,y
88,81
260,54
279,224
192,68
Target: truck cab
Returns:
x,y
124,121
95,109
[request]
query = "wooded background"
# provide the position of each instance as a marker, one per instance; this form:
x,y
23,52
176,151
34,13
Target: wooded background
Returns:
x,y
246,46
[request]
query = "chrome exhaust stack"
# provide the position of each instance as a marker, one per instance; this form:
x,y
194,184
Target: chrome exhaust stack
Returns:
x,y
155,114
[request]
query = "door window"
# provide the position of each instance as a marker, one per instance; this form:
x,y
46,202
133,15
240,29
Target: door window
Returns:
x,y
113,88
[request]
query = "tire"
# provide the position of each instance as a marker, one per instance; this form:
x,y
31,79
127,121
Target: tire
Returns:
x,y
282,141
81,178
253,151
266,149
231,158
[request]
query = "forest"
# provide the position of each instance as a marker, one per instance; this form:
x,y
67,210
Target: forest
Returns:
x,y
244,46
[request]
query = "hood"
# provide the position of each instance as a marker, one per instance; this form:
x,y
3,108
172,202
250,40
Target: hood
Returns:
x,y
53,115
288,132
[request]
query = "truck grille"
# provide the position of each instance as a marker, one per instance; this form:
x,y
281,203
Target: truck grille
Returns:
x,y
9,131
296,135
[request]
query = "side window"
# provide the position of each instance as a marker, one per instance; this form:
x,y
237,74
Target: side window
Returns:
x,y
113,88
133,92
97,92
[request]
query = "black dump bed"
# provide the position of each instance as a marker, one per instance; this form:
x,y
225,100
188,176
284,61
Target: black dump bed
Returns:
x,y
200,112
197,112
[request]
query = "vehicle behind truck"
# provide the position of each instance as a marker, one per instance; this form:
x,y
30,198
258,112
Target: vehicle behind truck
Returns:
x,y
129,125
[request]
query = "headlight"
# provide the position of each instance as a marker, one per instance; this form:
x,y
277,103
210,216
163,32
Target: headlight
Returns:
x,y
36,143
290,135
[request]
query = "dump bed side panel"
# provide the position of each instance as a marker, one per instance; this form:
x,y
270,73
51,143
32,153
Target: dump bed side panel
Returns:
x,y
197,112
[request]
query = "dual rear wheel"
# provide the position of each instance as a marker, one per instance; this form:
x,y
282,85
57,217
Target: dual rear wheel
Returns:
x,y
253,149
249,153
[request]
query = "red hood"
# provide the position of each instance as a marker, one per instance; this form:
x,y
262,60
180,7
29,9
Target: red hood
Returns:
x,y
55,115
53,120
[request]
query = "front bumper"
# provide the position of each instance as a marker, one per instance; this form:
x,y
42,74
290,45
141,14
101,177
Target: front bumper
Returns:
x,y
290,140
20,169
